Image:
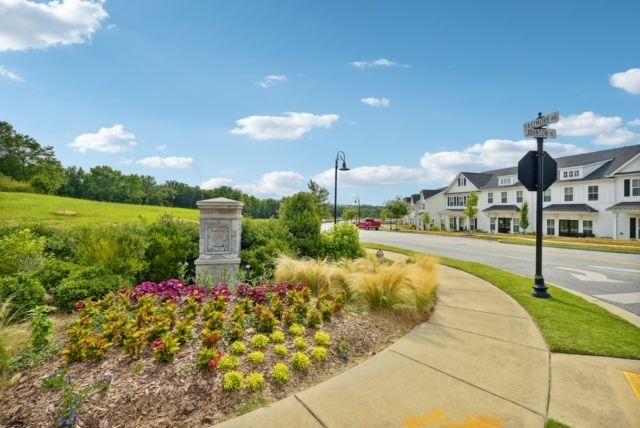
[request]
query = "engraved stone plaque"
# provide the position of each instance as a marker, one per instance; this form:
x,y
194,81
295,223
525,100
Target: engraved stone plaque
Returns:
x,y
218,239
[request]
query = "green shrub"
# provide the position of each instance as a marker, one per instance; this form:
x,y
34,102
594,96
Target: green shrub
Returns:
x,y
42,327
256,357
297,330
8,184
171,242
25,293
281,350
280,373
86,283
278,336
262,242
54,272
232,380
322,338
205,355
300,343
259,341
300,362
21,252
121,249
343,242
319,353
254,381
301,215
228,362
238,348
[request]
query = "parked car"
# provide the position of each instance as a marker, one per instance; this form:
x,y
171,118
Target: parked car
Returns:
x,y
369,224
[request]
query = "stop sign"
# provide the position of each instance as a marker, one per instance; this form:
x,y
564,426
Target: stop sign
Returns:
x,y
528,171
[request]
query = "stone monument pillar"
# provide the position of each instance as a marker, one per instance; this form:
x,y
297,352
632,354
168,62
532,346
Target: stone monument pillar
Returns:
x,y
220,230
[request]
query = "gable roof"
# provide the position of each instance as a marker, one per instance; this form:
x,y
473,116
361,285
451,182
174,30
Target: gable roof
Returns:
x,y
427,193
478,179
415,197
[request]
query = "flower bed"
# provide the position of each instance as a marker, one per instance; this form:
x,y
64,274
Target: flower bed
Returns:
x,y
180,354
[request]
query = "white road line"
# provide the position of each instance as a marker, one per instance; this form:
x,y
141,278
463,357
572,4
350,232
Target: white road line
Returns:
x,y
625,298
588,276
616,269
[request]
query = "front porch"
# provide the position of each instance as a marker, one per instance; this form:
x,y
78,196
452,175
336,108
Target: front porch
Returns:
x,y
503,218
626,220
572,220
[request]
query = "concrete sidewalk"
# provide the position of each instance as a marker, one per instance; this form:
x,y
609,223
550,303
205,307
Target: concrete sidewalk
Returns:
x,y
480,361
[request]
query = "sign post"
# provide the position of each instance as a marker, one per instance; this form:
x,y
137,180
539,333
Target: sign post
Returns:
x,y
538,180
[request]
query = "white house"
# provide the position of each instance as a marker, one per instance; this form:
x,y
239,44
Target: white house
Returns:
x,y
596,194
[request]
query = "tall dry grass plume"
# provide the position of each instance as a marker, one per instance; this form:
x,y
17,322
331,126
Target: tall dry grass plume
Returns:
x,y
408,285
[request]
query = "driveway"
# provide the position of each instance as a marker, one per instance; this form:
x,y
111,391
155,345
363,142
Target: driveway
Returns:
x,y
611,277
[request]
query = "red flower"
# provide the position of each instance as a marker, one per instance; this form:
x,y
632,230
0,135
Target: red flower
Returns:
x,y
213,364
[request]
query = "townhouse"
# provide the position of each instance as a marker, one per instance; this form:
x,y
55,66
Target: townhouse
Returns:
x,y
596,194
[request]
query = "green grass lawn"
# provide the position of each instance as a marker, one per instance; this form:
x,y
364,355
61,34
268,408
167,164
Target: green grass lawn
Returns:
x,y
57,210
569,323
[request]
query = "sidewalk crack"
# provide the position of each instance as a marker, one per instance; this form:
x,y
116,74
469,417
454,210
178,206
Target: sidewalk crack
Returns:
x,y
468,383
316,417
484,312
490,337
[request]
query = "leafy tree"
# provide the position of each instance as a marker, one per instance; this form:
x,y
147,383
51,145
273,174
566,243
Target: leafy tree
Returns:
x,y
349,214
524,216
321,195
426,220
301,215
395,209
471,210
24,159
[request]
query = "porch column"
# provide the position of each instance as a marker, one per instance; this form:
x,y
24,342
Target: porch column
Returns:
x,y
557,223
615,225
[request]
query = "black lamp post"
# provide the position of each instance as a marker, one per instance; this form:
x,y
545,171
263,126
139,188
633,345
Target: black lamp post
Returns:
x,y
357,201
339,157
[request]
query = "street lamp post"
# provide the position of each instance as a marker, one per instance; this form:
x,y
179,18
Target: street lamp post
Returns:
x,y
357,201
339,157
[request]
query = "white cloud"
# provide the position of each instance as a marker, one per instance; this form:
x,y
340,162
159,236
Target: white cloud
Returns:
x,y
272,80
291,126
616,137
214,183
125,161
276,184
26,24
441,167
380,62
10,74
174,162
376,102
634,122
106,140
587,123
363,176
627,80
161,147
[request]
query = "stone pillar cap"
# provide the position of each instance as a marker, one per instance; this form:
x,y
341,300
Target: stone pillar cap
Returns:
x,y
219,202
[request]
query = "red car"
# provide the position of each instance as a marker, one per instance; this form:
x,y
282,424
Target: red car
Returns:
x,y
369,224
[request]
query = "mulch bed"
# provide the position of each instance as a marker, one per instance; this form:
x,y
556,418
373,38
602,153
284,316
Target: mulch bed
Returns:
x,y
144,392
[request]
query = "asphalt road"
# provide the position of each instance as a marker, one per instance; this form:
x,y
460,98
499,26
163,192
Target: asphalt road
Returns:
x,y
611,277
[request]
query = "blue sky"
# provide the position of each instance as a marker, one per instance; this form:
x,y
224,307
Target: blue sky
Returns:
x,y
411,91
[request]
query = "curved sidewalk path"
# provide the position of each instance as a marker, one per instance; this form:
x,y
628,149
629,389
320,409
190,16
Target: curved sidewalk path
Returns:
x,y
479,361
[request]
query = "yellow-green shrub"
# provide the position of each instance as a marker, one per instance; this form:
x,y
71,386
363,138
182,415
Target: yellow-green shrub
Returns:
x,y
281,350
297,330
322,338
319,353
228,362
254,381
256,357
300,343
300,362
278,336
280,373
238,348
259,341
233,381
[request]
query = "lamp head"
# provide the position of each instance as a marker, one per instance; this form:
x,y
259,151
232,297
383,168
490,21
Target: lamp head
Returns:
x,y
344,166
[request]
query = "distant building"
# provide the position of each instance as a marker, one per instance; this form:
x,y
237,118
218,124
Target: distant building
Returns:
x,y
596,194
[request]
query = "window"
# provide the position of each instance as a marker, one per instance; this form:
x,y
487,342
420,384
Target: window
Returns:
x,y
568,194
592,193
462,181
551,226
492,221
452,223
635,187
516,225
504,181
519,196
503,197
587,227
546,196
490,197
570,174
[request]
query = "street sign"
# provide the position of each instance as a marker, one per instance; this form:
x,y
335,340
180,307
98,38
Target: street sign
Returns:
x,y
528,171
540,133
542,121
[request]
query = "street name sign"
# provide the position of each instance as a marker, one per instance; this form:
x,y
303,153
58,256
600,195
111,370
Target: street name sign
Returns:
x,y
542,121
540,133
528,171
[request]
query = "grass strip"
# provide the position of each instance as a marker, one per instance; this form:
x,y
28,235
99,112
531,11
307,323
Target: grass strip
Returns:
x,y
569,324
